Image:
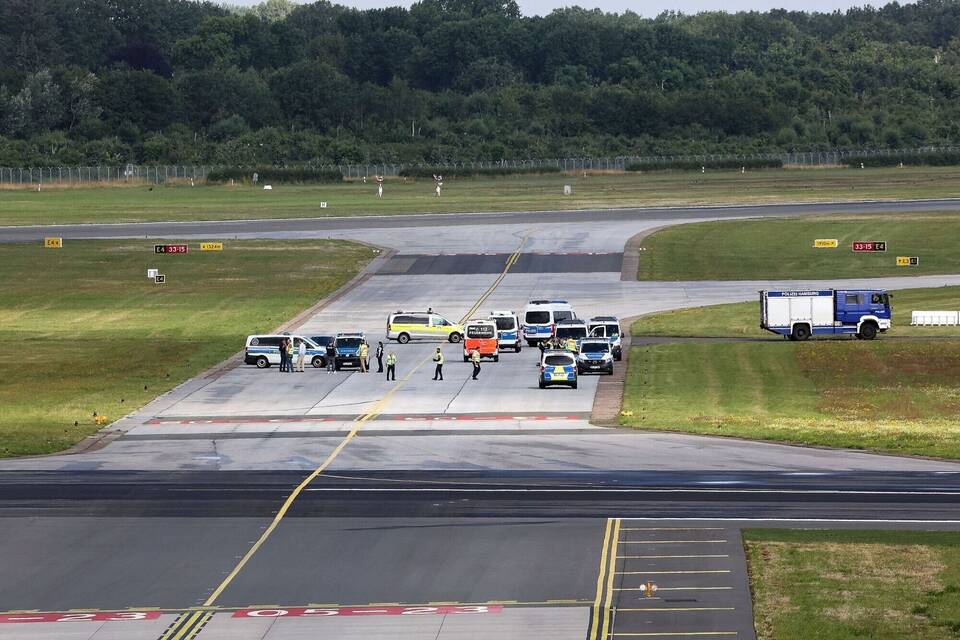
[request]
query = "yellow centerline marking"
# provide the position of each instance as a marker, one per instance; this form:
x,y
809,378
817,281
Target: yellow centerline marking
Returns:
x,y
613,565
358,424
600,576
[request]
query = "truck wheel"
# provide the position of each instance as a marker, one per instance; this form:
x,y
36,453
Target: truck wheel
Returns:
x,y
868,331
801,332
318,362
262,362
496,358
403,338
455,338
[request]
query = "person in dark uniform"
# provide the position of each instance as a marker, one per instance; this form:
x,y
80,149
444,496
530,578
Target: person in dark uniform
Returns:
x,y
331,357
380,357
438,358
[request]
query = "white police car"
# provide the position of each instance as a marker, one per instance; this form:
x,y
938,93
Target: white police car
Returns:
x,y
558,367
263,350
595,356
608,327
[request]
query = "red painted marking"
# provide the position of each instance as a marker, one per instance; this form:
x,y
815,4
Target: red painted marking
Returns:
x,y
99,616
368,611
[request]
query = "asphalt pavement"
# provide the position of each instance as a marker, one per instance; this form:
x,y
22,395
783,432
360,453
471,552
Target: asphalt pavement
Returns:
x,y
454,509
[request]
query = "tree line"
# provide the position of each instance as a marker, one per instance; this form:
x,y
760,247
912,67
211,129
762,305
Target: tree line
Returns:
x,y
177,81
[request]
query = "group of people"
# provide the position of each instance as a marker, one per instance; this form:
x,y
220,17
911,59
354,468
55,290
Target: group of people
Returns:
x,y
287,352
568,344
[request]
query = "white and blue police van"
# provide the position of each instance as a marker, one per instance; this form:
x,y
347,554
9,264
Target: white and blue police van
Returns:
x,y
263,350
608,327
508,329
541,317
595,356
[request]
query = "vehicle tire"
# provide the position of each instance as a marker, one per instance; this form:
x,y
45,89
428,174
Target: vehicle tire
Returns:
x,y
403,338
531,343
573,386
610,372
262,362
801,332
868,330
517,348
858,336
618,356
496,358
455,338
336,366
542,385
318,362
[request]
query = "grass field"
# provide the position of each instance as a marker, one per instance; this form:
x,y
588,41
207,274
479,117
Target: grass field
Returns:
x,y
892,396
742,319
851,585
783,248
518,193
86,330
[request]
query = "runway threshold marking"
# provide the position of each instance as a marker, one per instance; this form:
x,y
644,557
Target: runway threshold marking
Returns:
x,y
187,626
358,424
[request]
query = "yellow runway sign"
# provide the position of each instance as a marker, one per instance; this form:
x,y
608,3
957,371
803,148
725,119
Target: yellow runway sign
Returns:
x,y
211,246
908,261
53,243
826,243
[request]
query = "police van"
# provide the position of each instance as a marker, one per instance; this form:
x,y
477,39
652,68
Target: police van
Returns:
x,y
346,349
508,329
404,326
541,316
264,350
570,329
608,327
594,355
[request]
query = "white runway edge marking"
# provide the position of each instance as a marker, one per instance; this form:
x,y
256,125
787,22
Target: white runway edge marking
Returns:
x,y
651,490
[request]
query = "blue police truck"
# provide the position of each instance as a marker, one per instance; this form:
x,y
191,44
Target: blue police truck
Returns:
x,y
798,315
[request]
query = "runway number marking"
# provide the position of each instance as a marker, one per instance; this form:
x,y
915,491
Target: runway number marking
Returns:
x,y
362,611
99,616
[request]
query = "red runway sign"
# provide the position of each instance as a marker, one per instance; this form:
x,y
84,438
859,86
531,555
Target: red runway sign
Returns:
x,y
99,616
366,611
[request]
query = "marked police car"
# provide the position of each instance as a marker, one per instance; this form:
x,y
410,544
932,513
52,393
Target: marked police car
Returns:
x,y
508,329
263,350
595,356
607,327
558,367
346,347
541,316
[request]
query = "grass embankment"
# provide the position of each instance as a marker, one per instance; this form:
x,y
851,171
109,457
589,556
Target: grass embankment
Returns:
x,y
742,319
55,205
783,249
846,585
87,331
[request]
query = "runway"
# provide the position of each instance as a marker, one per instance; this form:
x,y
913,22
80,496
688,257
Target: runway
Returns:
x,y
438,495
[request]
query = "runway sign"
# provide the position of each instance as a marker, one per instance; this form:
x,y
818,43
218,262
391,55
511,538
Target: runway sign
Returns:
x,y
160,278
53,243
211,246
908,261
99,616
321,612
826,243
869,246
170,248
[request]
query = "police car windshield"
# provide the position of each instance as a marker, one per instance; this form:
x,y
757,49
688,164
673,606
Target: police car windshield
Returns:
x,y
571,332
348,342
613,330
594,347
557,361
538,317
504,324
562,315
480,331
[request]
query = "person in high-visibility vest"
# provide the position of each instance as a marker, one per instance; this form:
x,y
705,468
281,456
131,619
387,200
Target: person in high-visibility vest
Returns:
x,y
392,366
438,358
571,344
364,353
475,359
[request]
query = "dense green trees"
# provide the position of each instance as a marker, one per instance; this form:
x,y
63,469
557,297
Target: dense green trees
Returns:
x,y
183,81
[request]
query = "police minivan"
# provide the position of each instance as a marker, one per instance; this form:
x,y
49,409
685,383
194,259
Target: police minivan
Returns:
x,y
264,350
558,368
541,316
404,326
508,329
608,327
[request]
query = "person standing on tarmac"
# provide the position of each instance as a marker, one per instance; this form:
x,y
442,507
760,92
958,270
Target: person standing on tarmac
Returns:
x,y
301,355
475,359
438,358
283,355
380,356
364,354
289,355
392,366
331,357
